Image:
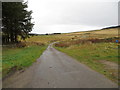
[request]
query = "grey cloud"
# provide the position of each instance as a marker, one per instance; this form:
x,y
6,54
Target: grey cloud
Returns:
x,y
74,12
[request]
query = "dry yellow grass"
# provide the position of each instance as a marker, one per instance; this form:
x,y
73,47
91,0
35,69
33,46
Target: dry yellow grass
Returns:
x,y
107,31
46,39
104,31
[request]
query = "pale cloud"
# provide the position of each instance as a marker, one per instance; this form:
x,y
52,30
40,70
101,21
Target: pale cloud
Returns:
x,y
73,15
63,28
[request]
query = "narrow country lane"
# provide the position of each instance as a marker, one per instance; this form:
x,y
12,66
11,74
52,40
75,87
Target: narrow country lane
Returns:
x,y
55,69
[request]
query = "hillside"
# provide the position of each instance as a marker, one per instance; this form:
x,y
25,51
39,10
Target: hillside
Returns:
x,y
97,49
103,33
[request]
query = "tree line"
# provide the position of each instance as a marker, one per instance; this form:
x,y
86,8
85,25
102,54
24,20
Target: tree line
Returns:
x,y
16,21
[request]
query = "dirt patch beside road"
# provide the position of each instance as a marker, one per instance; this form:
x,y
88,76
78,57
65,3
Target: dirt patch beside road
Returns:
x,y
111,67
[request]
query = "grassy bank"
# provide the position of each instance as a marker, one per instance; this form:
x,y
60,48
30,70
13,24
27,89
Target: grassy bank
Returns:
x,y
18,58
98,56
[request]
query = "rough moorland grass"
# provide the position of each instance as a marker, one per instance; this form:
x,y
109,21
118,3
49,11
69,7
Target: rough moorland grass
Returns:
x,y
92,54
19,58
47,39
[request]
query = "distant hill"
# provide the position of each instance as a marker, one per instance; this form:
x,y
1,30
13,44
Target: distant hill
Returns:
x,y
36,34
107,32
111,27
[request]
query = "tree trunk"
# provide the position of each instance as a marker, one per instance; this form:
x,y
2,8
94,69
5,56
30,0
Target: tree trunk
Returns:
x,y
12,37
16,38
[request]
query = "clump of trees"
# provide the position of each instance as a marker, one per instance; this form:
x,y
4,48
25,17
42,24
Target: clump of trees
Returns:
x,y
16,21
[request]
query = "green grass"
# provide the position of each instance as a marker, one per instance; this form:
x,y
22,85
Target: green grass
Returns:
x,y
20,58
92,54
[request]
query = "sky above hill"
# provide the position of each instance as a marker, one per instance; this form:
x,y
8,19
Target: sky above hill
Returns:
x,y
54,16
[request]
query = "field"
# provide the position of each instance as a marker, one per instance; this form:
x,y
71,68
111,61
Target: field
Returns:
x,y
97,49
101,34
47,39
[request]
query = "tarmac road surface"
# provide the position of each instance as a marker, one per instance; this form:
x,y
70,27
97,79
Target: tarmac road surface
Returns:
x,y
55,69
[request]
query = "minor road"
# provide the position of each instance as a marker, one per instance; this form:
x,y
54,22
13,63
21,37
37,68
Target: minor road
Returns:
x,y
55,69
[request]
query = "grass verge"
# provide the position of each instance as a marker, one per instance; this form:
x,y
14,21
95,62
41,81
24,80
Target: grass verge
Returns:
x,y
19,58
92,54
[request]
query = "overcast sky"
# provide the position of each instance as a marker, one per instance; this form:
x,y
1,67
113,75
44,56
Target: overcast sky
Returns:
x,y
52,16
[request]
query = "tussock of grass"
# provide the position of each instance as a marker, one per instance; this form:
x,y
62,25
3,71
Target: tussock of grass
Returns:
x,y
19,58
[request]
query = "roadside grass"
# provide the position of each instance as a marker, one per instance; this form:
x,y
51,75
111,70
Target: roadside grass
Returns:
x,y
19,58
92,54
